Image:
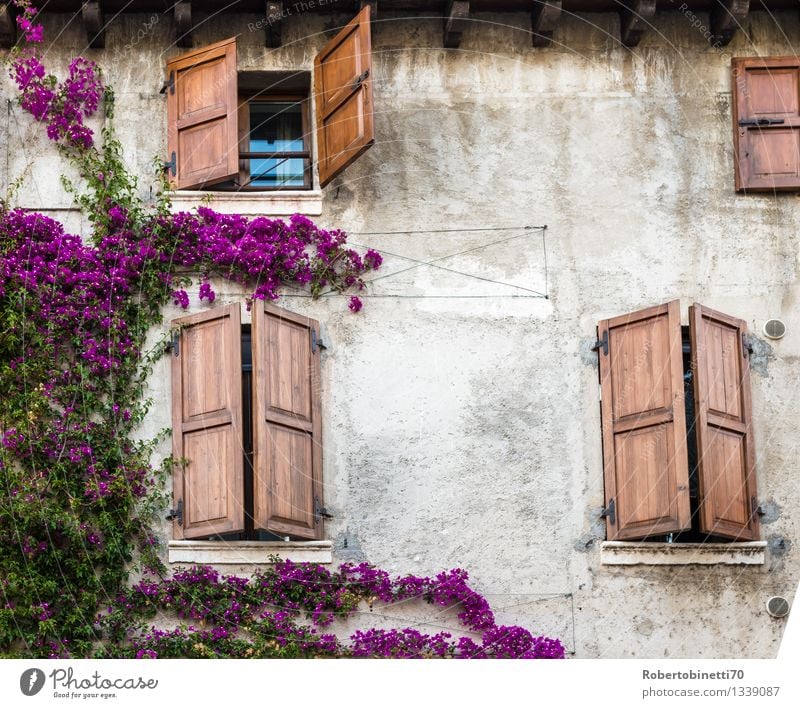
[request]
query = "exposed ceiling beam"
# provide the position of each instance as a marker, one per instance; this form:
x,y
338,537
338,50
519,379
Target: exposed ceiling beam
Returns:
x,y
727,17
272,30
634,19
183,24
95,26
544,18
455,21
8,25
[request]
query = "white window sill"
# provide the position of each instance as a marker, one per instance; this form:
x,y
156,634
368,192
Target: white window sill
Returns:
x,y
249,552
644,553
278,203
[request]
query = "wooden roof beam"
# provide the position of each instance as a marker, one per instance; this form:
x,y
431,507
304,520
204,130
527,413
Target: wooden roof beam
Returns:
x,y
634,19
544,18
455,22
274,22
92,15
8,25
727,16
183,24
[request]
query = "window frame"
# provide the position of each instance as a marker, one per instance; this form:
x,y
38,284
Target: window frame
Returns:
x,y
629,359
280,340
243,121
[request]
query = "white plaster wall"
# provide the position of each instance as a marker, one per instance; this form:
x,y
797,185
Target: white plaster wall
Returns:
x,y
463,430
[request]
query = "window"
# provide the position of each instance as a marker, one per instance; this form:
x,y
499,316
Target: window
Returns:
x,y
246,426
678,454
766,113
251,130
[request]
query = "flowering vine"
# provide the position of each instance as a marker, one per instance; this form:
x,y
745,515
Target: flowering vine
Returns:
x,y
79,494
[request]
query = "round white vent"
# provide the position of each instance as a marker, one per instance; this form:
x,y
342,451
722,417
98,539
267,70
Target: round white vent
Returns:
x,y
774,329
778,606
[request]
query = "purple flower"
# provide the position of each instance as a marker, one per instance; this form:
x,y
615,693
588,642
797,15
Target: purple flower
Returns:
x,y
355,304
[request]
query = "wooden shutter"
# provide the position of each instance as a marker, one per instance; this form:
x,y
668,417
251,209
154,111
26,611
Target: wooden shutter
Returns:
x,y
207,423
644,425
343,101
725,451
766,115
287,487
202,131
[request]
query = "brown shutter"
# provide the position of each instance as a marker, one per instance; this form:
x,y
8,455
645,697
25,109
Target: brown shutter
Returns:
x,y
766,115
343,88
207,423
725,451
644,423
201,113
287,486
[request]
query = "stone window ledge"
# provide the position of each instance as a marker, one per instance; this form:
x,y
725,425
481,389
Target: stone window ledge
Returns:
x,y
249,552
644,553
278,203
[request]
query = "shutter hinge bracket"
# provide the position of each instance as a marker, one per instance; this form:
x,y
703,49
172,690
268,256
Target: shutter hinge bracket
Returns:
x,y
609,513
174,343
316,342
747,347
602,344
360,80
169,84
172,165
176,514
320,512
756,508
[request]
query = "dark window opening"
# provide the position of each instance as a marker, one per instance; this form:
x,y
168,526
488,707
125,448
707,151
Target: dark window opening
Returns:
x,y
693,535
250,533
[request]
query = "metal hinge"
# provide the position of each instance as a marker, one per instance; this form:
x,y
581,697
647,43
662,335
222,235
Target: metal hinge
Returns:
x,y
360,80
316,342
760,121
609,513
169,83
602,343
172,165
177,513
756,508
747,348
174,343
320,512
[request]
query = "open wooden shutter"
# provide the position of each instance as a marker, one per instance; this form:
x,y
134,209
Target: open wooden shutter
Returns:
x,y
766,114
287,488
725,451
203,140
207,423
644,426
343,101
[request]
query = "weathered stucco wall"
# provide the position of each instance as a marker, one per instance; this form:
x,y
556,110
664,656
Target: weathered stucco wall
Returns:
x,y
461,425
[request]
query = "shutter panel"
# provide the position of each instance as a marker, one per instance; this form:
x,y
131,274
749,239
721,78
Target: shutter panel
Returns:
x,y
767,156
201,113
343,97
644,425
725,451
287,483
207,423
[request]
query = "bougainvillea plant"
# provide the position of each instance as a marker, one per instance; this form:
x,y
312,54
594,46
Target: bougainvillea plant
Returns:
x,y
79,494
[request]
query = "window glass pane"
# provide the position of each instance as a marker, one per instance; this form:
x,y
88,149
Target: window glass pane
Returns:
x,y
276,127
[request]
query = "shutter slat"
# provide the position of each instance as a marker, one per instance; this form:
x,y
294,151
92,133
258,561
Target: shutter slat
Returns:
x,y
202,115
207,424
725,450
767,157
287,424
343,97
644,426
